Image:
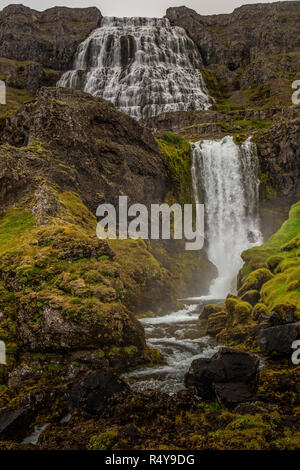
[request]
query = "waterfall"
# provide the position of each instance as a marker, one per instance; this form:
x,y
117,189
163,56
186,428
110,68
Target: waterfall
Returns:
x,y
144,66
227,175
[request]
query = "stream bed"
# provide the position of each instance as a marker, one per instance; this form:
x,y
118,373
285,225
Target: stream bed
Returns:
x,y
180,338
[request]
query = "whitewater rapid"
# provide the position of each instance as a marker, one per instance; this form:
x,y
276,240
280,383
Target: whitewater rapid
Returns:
x,y
180,339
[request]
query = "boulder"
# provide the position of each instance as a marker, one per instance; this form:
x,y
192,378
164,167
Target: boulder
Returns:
x,y
92,392
14,422
216,323
208,310
277,340
226,366
231,394
252,297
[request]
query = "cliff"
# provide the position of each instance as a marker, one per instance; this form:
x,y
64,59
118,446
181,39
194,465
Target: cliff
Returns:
x,y
50,37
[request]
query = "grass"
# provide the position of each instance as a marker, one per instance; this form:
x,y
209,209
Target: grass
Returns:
x,y
281,253
177,150
13,227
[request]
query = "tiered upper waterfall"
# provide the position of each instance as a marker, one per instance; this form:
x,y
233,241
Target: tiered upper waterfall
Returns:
x,y
144,66
227,176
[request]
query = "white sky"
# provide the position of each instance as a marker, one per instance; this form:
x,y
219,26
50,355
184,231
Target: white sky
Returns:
x,y
156,8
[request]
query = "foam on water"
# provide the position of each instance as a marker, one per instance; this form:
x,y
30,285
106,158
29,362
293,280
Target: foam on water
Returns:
x,y
144,66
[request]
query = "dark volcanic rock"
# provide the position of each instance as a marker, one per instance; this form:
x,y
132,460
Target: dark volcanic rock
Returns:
x,y
13,422
102,148
277,340
50,37
226,366
280,155
92,392
231,394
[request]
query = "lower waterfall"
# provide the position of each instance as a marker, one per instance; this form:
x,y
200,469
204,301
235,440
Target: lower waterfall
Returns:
x,y
226,177
144,66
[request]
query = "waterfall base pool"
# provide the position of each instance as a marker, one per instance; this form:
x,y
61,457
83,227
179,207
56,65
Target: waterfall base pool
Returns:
x,y
180,338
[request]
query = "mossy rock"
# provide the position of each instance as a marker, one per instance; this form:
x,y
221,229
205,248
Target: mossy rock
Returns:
x,y
274,261
103,441
251,296
286,311
238,311
256,280
292,245
216,323
209,310
230,303
259,311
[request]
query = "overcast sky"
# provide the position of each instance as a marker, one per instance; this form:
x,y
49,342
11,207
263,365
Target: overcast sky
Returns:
x,y
138,7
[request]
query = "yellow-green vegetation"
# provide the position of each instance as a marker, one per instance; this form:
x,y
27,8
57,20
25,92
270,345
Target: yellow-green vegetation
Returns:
x,y
215,86
178,153
238,310
14,227
245,432
269,281
216,323
255,280
280,254
103,441
62,267
14,99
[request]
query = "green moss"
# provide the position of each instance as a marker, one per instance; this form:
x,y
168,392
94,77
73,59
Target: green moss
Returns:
x,y
14,99
281,254
259,311
255,280
14,226
101,353
53,367
102,441
216,87
209,309
131,350
177,151
244,432
216,323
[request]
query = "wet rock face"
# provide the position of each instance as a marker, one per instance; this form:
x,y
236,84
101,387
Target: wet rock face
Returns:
x,y
230,375
50,37
238,38
280,152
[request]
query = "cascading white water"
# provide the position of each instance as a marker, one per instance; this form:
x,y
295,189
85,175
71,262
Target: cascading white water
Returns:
x,y
144,66
228,177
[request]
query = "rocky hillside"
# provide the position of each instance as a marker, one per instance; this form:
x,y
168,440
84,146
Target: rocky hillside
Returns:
x,y
63,290
69,302
239,38
36,47
49,37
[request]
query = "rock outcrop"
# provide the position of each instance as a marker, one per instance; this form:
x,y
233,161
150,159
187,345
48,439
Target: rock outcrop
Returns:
x,y
239,38
49,37
230,375
92,393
